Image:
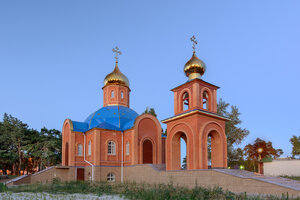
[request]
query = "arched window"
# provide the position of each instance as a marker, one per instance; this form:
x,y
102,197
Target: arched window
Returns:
x,y
79,150
111,148
90,148
185,101
111,177
205,100
112,94
122,95
127,148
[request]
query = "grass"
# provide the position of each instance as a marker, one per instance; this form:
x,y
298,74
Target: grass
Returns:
x,y
136,191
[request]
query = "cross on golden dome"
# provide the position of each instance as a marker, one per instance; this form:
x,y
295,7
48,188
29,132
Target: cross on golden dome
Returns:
x,y
116,77
117,52
194,68
193,39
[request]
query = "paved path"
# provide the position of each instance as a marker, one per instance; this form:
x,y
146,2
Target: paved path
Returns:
x,y
285,182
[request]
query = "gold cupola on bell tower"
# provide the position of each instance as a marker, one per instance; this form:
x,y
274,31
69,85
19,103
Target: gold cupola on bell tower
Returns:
x,y
195,67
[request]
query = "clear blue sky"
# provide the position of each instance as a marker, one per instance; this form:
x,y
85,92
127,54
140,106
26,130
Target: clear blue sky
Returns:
x,y
55,54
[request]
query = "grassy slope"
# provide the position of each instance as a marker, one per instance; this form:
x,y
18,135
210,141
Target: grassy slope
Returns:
x,y
136,191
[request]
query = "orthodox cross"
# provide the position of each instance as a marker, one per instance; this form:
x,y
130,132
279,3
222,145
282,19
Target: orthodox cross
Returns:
x,y
193,39
117,52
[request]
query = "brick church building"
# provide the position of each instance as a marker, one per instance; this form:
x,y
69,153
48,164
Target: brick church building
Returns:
x,y
115,137
116,144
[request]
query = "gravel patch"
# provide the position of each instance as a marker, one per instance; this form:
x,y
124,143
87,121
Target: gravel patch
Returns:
x,y
47,196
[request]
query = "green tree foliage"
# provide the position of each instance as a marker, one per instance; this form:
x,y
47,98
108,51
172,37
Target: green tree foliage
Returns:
x,y
253,155
296,146
45,148
150,111
14,137
235,134
24,149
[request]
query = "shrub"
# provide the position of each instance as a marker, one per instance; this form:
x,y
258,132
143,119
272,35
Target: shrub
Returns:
x,y
2,187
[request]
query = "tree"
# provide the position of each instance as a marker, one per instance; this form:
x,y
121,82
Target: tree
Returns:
x,y
13,130
150,111
235,134
252,153
45,148
24,149
296,146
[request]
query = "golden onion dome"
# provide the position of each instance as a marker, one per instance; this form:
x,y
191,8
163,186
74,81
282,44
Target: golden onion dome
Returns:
x,y
194,68
116,77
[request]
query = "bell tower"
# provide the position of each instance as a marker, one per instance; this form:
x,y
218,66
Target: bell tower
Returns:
x,y
196,121
116,86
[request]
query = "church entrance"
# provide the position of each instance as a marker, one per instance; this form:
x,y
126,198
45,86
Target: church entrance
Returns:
x,y
147,152
80,174
179,152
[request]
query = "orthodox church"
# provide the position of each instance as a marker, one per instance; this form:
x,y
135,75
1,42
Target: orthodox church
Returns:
x,y
115,136
116,144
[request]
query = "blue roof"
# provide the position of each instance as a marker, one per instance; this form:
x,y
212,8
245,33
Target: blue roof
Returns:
x,y
118,118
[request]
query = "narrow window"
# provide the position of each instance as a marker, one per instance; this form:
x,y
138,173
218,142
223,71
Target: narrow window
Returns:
x,y
111,177
185,101
79,150
111,148
112,94
127,148
122,95
90,148
205,100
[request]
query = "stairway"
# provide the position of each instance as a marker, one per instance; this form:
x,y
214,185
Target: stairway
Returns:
x,y
21,178
11,181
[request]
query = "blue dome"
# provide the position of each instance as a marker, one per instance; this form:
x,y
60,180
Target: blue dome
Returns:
x,y
118,118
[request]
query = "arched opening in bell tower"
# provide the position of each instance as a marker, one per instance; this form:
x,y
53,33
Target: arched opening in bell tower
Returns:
x,y
179,151
205,100
214,150
183,153
185,101
147,152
